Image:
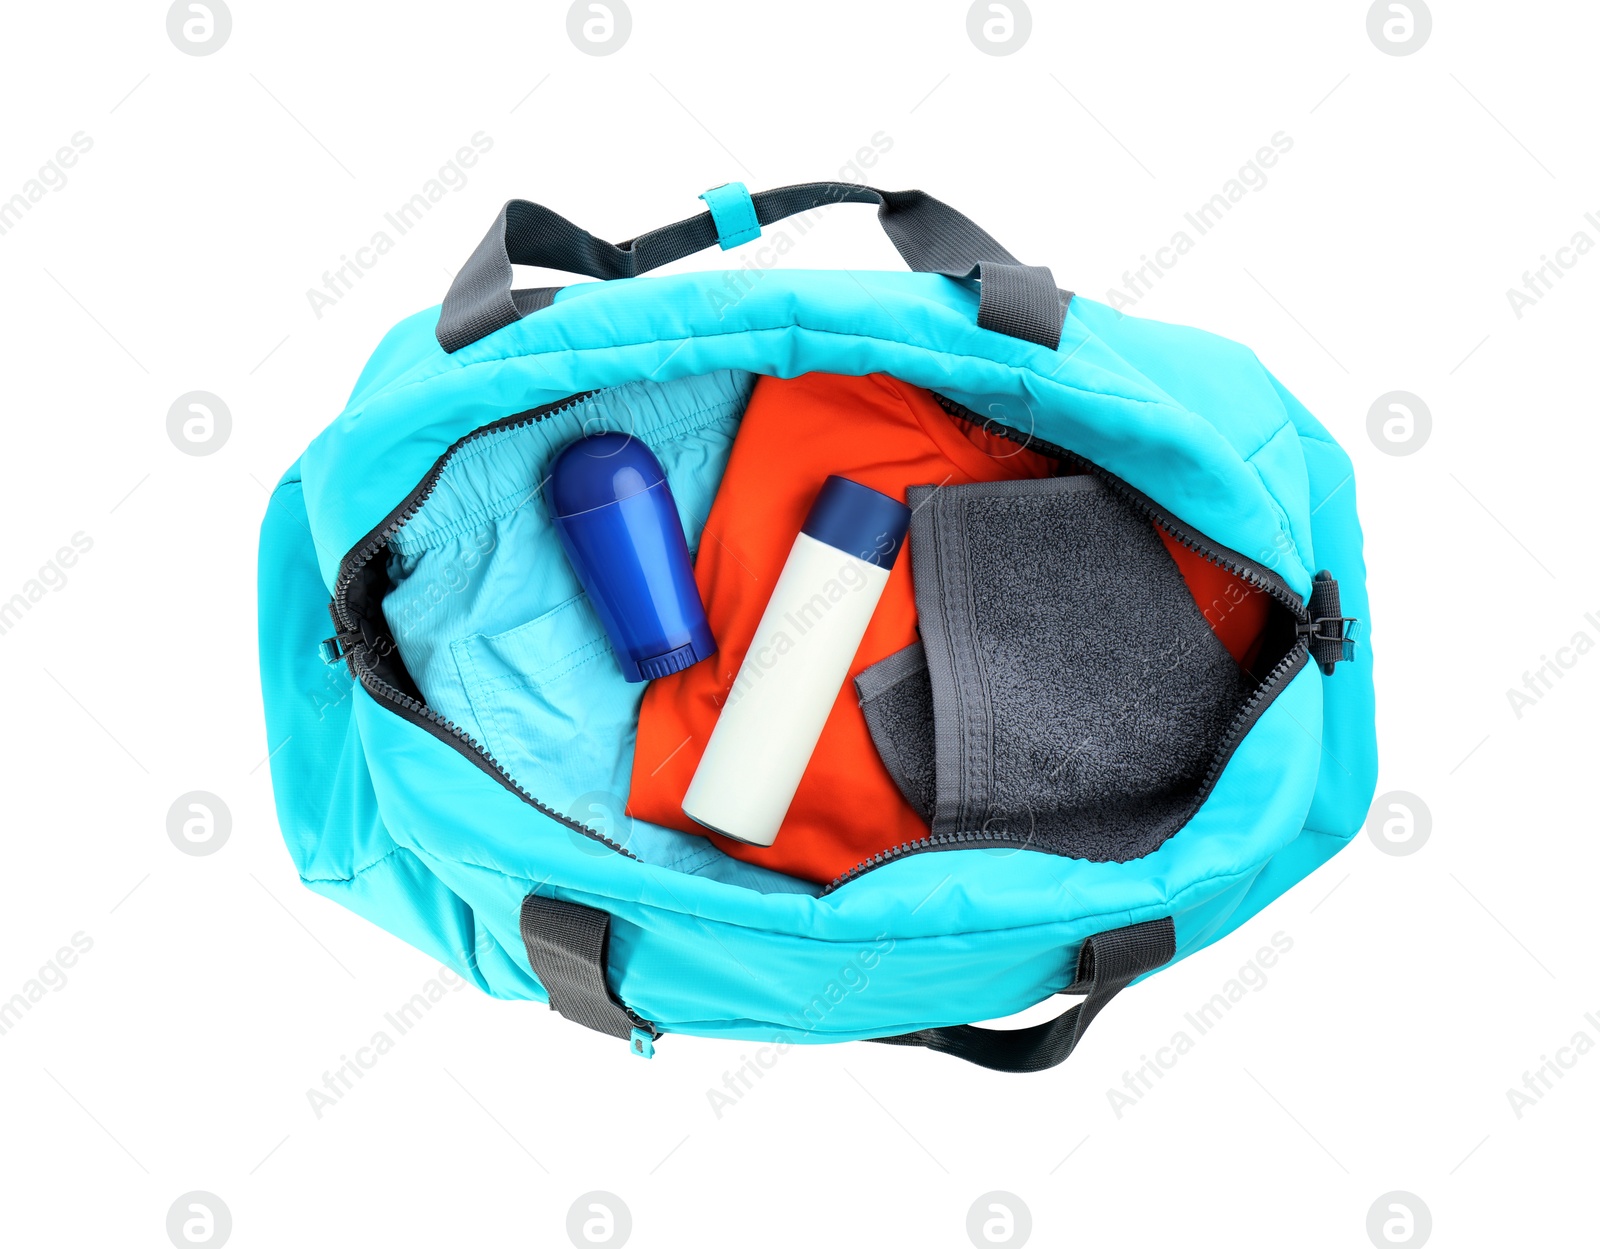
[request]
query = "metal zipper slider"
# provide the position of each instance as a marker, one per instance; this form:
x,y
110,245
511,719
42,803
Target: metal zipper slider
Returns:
x,y
1329,635
339,647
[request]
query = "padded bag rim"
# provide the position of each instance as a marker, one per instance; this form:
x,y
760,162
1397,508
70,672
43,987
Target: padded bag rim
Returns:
x,y
791,323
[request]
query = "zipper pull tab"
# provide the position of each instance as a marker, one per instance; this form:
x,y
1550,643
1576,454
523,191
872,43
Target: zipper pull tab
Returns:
x,y
339,647
1329,635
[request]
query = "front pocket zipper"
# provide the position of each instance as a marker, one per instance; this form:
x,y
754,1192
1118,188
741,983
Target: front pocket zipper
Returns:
x,y
366,650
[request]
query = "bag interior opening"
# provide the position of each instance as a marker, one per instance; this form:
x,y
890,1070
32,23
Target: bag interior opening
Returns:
x,y
476,613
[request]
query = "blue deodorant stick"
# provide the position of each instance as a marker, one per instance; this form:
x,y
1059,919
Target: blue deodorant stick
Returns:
x,y
613,511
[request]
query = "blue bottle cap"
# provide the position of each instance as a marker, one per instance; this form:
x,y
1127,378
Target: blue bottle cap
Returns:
x,y
858,520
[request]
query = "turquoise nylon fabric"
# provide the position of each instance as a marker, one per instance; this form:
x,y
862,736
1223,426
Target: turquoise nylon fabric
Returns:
x,y
734,214
757,950
918,327
400,827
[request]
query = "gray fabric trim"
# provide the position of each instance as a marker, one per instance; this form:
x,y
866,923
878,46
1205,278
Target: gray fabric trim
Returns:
x,y
897,702
567,947
1021,301
960,706
1015,299
889,672
1331,639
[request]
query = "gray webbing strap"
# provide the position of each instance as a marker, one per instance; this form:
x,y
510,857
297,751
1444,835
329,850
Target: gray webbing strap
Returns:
x,y
567,950
1015,299
1107,964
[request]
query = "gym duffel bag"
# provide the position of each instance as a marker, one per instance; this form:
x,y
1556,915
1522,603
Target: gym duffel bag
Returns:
x,y
483,821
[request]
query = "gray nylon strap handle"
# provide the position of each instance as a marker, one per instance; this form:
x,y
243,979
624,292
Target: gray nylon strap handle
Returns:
x,y
1107,964
1015,299
567,948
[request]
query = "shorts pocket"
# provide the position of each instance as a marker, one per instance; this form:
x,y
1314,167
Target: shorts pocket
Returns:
x,y
553,707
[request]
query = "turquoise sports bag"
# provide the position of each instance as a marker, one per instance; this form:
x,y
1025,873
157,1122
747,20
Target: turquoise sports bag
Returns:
x,y
449,763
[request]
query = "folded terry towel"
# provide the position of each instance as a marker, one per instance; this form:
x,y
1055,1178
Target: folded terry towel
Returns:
x,y
897,701
1068,693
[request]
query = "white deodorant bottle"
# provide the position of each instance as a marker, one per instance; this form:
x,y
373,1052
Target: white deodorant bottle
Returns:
x,y
798,659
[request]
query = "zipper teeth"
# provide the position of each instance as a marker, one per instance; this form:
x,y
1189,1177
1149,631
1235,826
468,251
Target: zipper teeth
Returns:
x,y
1241,722
930,842
376,541
389,692
1272,585
1251,712
1244,571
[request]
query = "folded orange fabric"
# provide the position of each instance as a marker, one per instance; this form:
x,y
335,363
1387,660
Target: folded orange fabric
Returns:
x,y
1235,609
886,435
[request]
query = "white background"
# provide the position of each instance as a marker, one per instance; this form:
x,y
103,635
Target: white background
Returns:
x,y
1420,988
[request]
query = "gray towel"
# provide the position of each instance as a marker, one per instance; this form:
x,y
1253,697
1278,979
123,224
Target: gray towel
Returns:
x,y
897,700
1068,693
